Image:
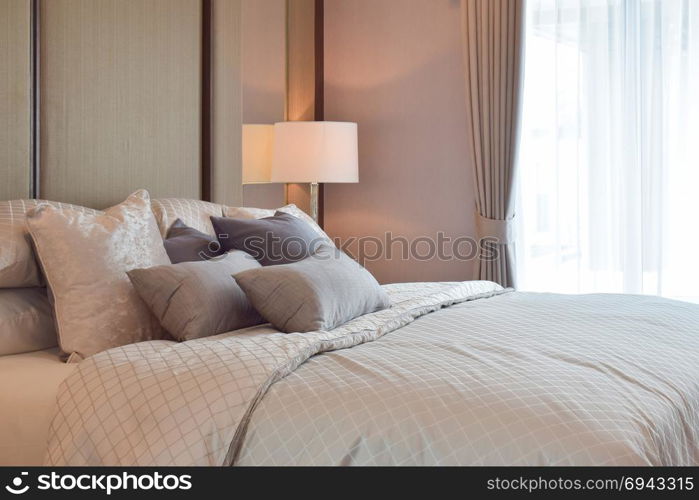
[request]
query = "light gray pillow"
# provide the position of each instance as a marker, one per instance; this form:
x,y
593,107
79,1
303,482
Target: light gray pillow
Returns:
x,y
320,292
26,321
198,299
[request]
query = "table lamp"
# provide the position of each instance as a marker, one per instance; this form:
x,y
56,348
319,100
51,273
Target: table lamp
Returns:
x,y
314,153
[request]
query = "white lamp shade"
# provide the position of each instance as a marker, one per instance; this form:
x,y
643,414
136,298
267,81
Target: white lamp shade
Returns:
x,y
258,142
315,152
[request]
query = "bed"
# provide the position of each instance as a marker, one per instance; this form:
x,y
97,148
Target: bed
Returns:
x,y
458,373
453,373
27,398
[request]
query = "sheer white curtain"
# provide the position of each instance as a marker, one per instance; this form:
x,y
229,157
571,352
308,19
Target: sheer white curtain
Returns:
x,y
609,160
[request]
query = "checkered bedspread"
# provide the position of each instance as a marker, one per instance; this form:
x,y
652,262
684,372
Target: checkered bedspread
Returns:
x,y
453,373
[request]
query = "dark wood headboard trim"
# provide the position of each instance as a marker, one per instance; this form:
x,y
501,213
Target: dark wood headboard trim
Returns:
x,y
319,94
35,96
319,39
206,101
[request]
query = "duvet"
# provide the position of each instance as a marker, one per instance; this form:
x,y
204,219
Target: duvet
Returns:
x,y
452,374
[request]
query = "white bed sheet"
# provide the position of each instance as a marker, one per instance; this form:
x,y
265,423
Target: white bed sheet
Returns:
x,y
28,386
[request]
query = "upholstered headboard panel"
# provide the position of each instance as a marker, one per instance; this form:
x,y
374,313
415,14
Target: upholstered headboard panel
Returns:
x,y
15,83
121,93
121,99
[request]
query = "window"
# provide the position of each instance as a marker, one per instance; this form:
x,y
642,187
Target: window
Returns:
x,y
609,154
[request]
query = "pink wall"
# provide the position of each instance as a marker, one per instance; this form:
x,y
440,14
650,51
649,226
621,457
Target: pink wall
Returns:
x,y
264,81
395,68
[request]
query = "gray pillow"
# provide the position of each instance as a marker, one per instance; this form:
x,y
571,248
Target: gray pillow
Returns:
x,y
26,321
319,293
186,244
198,299
279,239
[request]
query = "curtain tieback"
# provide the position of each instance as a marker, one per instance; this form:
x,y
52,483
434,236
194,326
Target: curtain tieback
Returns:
x,y
502,230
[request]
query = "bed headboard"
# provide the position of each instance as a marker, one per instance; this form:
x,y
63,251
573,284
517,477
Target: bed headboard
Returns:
x,y
121,96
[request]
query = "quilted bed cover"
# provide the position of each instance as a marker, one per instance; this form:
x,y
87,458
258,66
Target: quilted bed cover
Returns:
x,y
452,374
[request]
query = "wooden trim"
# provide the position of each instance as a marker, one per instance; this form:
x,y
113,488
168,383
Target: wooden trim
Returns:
x,y
206,101
286,78
35,102
319,46
319,98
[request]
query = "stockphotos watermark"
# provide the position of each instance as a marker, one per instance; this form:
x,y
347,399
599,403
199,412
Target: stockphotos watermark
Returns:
x,y
102,483
439,246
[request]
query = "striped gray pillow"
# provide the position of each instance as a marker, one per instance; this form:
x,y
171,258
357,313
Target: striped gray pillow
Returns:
x,y
198,299
320,292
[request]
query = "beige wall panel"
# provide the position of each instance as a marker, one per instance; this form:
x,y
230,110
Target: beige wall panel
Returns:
x,y
121,99
264,60
227,111
301,78
15,133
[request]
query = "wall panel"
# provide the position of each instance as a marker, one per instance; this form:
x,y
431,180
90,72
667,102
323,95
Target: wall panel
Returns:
x,y
264,81
398,73
15,96
226,110
121,99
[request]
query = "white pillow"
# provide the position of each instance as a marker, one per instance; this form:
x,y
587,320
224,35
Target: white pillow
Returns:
x,y
258,213
85,258
193,213
18,267
26,321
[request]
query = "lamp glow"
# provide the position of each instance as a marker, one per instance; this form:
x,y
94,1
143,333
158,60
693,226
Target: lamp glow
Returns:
x,y
258,144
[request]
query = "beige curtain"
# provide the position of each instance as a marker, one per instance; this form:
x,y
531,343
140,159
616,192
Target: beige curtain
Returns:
x,y
492,33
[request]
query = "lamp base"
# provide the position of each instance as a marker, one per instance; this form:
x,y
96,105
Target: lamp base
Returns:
x,y
314,201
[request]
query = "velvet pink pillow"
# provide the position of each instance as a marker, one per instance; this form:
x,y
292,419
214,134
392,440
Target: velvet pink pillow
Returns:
x,y
85,258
